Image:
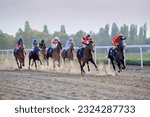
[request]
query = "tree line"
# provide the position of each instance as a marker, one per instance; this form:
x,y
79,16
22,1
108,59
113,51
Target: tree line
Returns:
x,y
103,37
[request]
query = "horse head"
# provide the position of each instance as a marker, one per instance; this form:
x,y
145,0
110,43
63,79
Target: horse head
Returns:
x,y
72,45
59,46
90,44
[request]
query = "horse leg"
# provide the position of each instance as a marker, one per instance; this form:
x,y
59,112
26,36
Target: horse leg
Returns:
x,y
82,70
47,62
112,62
88,66
35,64
32,62
122,62
29,63
58,63
92,61
119,66
17,61
40,61
20,67
23,63
54,64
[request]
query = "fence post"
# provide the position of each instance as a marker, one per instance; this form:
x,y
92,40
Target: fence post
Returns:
x,y
141,56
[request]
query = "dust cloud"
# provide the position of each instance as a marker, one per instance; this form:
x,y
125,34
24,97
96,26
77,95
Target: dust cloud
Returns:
x,y
68,67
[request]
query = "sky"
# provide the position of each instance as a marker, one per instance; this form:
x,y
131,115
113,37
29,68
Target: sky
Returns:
x,y
76,15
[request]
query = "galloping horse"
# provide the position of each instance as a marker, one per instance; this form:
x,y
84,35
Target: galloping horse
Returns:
x,y
86,57
42,55
117,55
69,54
33,55
20,57
55,54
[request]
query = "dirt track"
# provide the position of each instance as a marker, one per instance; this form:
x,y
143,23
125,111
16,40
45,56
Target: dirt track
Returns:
x,y
25,84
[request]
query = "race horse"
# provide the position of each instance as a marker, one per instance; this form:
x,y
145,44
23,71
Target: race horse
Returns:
x,y
20,57
54,54
33,55
42,55
116,55
84,55
69,53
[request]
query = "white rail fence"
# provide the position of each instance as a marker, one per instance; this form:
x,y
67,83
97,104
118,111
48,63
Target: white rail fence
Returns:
x,y
8,53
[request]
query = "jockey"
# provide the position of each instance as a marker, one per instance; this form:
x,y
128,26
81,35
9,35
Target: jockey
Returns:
x,y
68,44
117,39
42,45
85,39
54,43
35,47
19,44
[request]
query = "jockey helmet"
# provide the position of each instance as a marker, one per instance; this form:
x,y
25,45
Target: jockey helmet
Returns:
x,y
120,35
20,40
56,38
42,41
34,41
88,35
70,39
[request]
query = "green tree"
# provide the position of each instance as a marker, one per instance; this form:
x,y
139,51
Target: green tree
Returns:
x,y
125,30
141,35
78,36
133,34
1,32
145,30
7,41
19,33
104,37
101,36
63,30
27,27
114,30
45,30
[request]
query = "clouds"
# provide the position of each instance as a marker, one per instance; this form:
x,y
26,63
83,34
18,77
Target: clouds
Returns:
x,y
74,14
